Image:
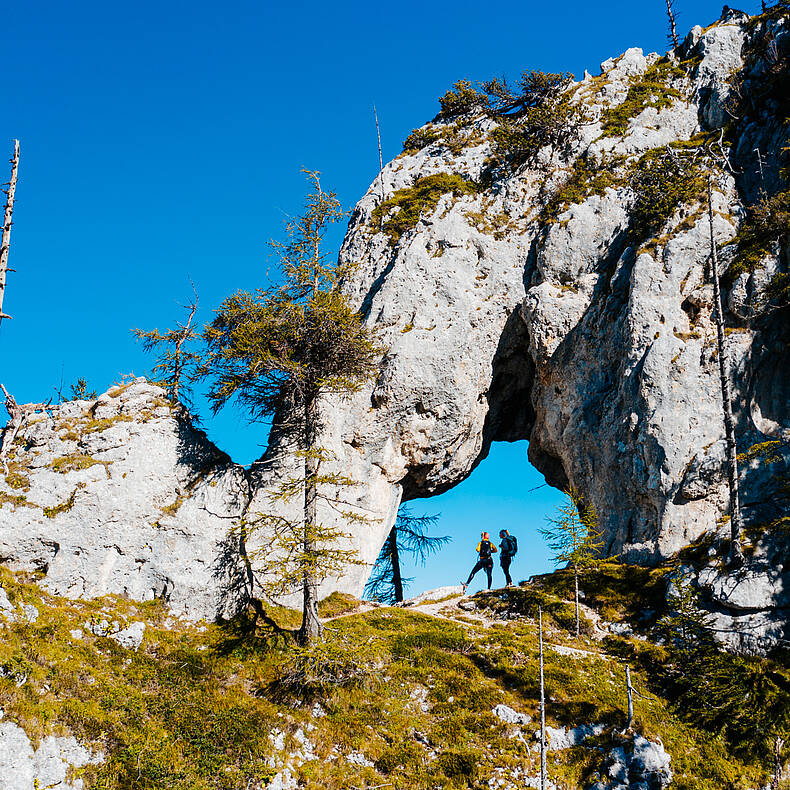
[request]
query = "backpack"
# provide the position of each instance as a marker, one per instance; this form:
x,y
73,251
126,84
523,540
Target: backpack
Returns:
x,y
485,549
510,545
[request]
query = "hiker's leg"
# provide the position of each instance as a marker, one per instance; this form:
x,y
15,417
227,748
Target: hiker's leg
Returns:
x,y
506,569
489,568
474,571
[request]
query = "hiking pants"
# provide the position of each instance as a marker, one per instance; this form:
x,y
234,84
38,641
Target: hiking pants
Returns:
x,y
505,563
488,564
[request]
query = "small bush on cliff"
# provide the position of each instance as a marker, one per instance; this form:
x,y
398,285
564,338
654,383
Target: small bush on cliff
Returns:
x,y
419,139
461,99
537,114
323,666
662,182
768,222
401,212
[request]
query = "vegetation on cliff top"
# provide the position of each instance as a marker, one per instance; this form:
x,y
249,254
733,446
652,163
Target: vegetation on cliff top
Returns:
x,y
402,211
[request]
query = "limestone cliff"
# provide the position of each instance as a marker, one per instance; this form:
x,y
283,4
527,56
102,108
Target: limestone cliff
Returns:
x,y
527,302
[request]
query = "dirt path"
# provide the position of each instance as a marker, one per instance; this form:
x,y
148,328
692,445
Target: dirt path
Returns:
x,y
443,610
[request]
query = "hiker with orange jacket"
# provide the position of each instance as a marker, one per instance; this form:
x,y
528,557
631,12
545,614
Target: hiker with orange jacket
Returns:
x,y
485,559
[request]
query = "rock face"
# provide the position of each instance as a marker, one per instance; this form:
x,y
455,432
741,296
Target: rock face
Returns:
x,y
25,768
121,496
501,323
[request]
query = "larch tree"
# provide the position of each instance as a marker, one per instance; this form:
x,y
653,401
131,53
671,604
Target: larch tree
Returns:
x,y
276,352
574,538
408,535
176,360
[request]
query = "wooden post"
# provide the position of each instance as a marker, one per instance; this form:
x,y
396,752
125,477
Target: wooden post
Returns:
x,y
630,692
543,771
736,554
5,242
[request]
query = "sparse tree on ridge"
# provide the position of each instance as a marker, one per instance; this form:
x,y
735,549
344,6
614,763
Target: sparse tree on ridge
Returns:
x,y
673,31
176,361
409,534
80,391
574,537
277,351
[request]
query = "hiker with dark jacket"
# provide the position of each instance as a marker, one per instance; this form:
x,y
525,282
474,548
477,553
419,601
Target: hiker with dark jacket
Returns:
x,y
509,547
485,551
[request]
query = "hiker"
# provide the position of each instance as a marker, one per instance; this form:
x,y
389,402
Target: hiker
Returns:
x,y
485,551
509,547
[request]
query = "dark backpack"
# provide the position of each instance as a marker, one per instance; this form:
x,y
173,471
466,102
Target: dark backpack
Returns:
x,y
510,545
485,549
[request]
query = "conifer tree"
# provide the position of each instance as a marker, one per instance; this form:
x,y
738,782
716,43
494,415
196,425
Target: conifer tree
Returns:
x,y
277,351
409,534
574,537
686,627
176,361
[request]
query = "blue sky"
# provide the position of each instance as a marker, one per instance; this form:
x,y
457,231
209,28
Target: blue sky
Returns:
x,y
163,141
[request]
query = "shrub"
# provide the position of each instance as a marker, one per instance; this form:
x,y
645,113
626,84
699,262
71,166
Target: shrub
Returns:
x,y
535,89
75,462
768,222
410,203
461,99
541,114
662,182
457,765
321,666
406,752
419,139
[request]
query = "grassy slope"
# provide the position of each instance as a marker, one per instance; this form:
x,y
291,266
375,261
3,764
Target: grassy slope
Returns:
x,y
195,706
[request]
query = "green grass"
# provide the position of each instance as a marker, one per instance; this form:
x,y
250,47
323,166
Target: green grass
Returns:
x,y
194,708
585,179
75,462
651,89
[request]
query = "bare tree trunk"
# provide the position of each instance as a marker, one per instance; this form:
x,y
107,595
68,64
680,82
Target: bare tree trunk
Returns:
x,y
311,626
630,692
397,578
381,160
15,417
543,768
736,554
5,242
576,584
183,336
673,33
777,778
